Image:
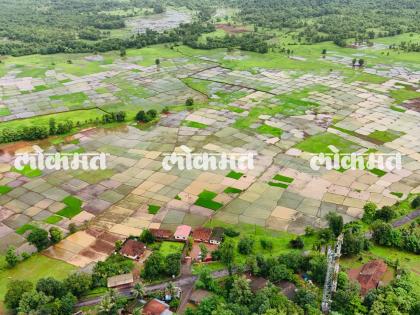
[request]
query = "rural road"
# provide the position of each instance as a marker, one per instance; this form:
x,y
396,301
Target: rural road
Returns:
x,y
181,282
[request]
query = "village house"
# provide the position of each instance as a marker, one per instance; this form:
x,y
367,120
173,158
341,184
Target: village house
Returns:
x,y
182,232
161,234
217,235
120,281
202,234
133,249
156,307
369,276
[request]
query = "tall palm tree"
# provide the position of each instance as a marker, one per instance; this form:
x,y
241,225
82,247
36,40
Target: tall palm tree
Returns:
x,y
138,291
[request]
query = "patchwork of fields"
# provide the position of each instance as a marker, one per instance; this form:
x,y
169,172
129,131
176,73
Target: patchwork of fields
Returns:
x,y
241,105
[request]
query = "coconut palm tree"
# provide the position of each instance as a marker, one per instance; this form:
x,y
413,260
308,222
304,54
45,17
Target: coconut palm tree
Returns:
x,y
138,291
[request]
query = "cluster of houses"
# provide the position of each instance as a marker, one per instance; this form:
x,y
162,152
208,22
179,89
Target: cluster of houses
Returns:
x,y
136,250
211,237
183,232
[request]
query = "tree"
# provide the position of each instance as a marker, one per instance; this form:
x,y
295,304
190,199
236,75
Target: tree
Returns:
x,y
204,251
111,303
123,52
147,237
346,300
53,127
15,290
205,280
246,245
157,62
386,214
266,244
415,203
138,291
361,63
383,233
335,222
11,258
72,228
67,304
153,266
172,267
297,243
227,254
324,52
353,62
318,268
369,212
51,287
55,235
152,113
39,238
32,301
142,116
306,299
118,245
189,101
78,283
240,291
280,272
353,243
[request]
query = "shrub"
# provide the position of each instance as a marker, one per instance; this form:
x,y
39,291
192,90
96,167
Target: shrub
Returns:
x,y
297,243
189,101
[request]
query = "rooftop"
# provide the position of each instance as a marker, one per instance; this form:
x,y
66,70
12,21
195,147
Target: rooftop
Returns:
x,y
116,281
156,307
133,248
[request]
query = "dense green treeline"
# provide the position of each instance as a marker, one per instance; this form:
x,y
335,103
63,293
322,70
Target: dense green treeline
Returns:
x,y
333,19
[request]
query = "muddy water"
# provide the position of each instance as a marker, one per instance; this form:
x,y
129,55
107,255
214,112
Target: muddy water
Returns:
x,y
158,22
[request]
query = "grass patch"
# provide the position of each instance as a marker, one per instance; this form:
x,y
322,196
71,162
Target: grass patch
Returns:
x,y
5,189
94,177
73,207
167,248
70,100
28,171
280,239
4,111
81,116
53,219
269,130
282,178
377,172
385,136
232,190
153,209
319,144
235,175
235,109
404,94
194,124
276,184
205,199
26,227
33,269
397,109
397,194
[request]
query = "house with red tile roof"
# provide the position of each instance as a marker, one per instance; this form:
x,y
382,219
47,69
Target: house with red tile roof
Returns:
x,y
369,276
133,249
156,307
161,234
182,232
201,234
